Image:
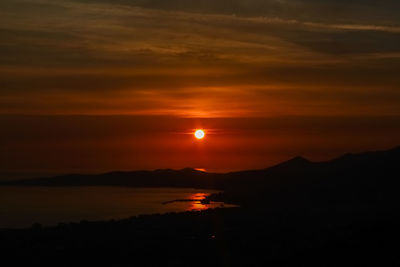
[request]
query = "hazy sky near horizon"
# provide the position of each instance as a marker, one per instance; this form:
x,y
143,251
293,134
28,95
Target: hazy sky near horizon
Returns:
x,y
270,79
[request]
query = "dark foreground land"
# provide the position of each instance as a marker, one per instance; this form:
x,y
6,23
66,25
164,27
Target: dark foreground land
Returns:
x,y
343,212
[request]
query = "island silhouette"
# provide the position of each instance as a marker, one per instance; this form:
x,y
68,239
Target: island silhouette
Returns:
x,y
342,212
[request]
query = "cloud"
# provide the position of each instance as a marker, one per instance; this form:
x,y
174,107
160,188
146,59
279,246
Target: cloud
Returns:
x,y
315,10
199,58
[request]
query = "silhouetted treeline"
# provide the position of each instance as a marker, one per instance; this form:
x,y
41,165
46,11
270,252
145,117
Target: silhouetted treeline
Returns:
x,y
221,237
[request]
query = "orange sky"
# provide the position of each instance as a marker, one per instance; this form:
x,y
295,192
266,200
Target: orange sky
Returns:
x,y
65,144
270,79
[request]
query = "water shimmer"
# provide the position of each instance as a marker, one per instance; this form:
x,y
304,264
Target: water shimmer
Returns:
x,y
22,206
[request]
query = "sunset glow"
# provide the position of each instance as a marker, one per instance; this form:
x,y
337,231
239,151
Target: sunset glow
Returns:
x,y
199,134
84,89
209,132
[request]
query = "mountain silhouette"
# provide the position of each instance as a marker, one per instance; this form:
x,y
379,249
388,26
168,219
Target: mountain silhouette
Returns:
x,y
364,177
159,178
370,177
378,167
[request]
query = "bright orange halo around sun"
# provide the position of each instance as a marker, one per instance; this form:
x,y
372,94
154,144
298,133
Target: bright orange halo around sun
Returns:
x,y
199,134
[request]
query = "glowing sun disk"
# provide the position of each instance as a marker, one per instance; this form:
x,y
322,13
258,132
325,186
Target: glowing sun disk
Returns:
x,y
199,134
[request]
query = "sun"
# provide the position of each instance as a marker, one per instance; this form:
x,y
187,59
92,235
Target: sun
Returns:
x,y
199,134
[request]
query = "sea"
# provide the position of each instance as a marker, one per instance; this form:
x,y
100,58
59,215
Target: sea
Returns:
x,y
22,206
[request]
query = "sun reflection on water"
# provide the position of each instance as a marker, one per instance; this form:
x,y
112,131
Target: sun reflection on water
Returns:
x,y
198,196
197,205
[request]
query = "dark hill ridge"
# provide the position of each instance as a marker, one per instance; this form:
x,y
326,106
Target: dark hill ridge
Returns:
x,y
352,181
364,168
159,178
366,177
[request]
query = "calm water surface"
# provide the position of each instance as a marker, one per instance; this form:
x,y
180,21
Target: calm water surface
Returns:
x,y
23,206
